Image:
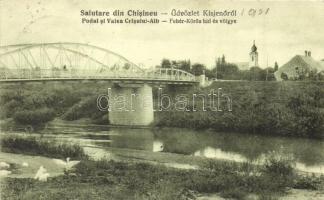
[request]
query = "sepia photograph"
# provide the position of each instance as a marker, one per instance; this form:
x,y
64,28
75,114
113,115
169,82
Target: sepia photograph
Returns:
x,y
161,100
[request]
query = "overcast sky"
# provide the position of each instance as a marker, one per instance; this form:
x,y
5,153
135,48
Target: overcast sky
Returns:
x,y
288,29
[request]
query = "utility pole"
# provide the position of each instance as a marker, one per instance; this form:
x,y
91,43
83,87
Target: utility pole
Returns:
x,y
267,67
216,67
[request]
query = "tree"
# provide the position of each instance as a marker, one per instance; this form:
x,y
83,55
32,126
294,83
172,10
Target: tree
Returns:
x,y
226,70
257,74
198,69
284,76
166,63
210,73
184,65
270,74
313,75
320,76
181,64
223,59
276,67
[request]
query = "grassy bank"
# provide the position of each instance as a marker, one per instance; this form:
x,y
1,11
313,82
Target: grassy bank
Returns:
x,y
109,179
38,146
37,103
127,180
271,108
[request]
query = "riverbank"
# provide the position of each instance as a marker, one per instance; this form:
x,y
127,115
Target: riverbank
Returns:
x,y
26,166
179,143
136,180
292,109
144,175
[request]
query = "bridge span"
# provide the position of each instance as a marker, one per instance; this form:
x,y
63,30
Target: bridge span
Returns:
x,y
47,62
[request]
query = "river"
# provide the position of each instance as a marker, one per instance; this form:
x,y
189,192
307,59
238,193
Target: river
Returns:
x,y
123,142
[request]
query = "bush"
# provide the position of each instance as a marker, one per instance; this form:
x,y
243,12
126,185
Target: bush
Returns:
x,y
278,172
234,193
131,180
34,117
86,108
38,146
268,108
306,182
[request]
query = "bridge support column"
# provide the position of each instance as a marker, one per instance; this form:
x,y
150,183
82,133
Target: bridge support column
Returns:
x,y
131,104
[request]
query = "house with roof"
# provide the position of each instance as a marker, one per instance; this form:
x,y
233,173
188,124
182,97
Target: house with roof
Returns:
x,y
322,63
299,67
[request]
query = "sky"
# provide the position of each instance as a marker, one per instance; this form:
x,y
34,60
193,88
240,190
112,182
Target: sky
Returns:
x,y
288,29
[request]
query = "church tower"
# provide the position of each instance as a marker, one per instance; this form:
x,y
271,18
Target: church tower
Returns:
x,y
254,56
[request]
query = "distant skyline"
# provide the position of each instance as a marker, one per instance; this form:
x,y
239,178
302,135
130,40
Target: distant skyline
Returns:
x,y
290,28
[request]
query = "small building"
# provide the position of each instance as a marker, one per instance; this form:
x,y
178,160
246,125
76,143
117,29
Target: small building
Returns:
x,y
299,67
322,63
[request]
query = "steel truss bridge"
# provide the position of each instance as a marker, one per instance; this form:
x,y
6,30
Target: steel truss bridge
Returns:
x,y
76,61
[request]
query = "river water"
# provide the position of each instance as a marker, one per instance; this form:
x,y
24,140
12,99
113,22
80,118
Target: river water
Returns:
x,y
100,141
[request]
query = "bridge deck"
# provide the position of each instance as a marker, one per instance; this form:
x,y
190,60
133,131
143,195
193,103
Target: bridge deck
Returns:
x,y
117,80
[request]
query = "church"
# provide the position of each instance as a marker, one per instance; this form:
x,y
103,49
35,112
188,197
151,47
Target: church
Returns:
x,y
253,59
254,56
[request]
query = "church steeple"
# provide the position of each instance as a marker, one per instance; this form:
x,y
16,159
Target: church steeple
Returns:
x,y
254,56
254,48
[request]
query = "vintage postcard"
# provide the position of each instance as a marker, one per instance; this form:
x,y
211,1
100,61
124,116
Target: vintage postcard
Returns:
x,y
161,100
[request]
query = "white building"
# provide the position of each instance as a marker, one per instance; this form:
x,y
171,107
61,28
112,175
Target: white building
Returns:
x,y
254,56
253,59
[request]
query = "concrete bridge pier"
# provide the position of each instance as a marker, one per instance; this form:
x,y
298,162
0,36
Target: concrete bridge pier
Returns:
x,y
131,105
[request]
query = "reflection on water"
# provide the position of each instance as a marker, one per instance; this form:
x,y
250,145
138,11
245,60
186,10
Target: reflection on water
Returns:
x,y
309,154
210,152
157,146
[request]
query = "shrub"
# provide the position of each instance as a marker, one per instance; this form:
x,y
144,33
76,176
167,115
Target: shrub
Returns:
x,y
34,117
234,193
38,146
277,172
86,108
306,182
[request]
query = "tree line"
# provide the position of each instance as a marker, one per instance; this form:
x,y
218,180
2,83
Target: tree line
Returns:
x,y
222,70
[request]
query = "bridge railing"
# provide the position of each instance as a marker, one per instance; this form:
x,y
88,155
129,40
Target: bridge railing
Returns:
x,y
75,61
171,74
43,74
